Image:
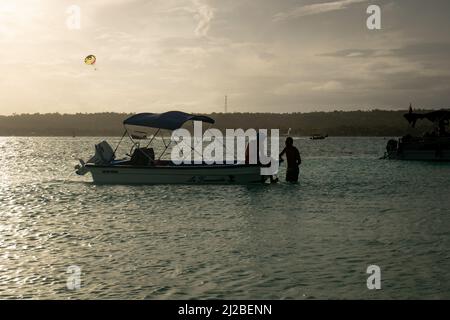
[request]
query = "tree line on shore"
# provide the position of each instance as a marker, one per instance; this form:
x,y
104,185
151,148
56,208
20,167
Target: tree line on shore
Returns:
x,y
336,123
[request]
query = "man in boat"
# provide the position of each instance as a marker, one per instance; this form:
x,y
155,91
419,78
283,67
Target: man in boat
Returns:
x,y
293,160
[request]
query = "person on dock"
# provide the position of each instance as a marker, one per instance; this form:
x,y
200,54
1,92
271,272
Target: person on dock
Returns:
x,y
293,160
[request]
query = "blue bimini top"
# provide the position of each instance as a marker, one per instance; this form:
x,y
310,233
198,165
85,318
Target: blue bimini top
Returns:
x,y
171,120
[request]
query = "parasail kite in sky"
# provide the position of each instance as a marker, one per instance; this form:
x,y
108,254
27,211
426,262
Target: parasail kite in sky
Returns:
x,y
90,60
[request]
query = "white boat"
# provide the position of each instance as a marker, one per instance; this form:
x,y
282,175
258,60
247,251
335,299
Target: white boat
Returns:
x,y
433,146
141,166
120,173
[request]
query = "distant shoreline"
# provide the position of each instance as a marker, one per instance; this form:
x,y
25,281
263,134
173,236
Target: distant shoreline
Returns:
x,y
374,123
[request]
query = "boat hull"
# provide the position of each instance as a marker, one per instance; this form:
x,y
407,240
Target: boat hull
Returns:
x,y
201,174
422,149
420,155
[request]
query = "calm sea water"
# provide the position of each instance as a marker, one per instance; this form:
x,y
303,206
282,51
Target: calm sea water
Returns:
x,y
313,240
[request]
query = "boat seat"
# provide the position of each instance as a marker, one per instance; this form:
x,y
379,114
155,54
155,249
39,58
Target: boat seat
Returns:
x,y
143,157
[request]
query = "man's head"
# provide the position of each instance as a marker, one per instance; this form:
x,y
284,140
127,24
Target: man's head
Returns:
x,y
289,141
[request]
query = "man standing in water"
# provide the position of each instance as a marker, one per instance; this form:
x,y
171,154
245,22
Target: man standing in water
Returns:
x,y
293,160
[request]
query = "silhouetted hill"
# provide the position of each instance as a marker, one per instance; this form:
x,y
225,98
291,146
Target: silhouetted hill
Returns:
x,y
337,123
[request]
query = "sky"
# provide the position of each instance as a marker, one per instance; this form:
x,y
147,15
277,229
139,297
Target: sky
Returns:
x,y
265,55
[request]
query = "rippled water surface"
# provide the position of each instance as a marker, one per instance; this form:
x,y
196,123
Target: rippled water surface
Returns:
x,y
310,240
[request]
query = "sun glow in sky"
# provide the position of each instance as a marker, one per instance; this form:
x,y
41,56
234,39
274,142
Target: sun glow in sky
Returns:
x,y
266,55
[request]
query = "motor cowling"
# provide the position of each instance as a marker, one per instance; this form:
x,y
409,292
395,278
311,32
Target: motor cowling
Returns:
x,y
104,154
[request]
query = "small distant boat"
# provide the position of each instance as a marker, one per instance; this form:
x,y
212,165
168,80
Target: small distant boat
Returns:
x,y
318,137
432,146
142,167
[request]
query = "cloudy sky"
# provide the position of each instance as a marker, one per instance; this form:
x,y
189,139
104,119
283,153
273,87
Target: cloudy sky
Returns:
x,y
266,55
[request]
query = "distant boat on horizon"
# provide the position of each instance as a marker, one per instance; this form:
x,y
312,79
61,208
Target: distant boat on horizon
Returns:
x,y
318,137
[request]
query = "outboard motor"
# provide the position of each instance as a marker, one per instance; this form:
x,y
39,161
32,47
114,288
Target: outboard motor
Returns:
x,y
391,146
104,154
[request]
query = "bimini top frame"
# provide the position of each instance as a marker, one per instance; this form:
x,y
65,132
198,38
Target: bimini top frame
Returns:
x,y
171,120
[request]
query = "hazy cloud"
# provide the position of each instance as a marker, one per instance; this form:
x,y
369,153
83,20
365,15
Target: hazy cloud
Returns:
x,y
204,15
313,9
352,53
422,50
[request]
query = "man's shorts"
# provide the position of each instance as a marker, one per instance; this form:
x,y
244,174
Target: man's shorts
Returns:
x,y
292,174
